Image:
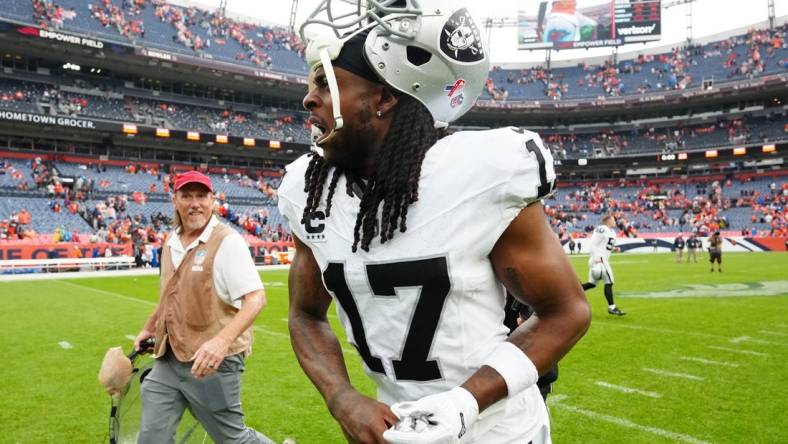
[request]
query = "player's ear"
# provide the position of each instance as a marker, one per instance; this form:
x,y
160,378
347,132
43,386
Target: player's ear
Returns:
x,y
388,100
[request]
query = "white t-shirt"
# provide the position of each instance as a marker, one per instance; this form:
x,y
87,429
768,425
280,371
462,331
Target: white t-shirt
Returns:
x,y
425,309
234,273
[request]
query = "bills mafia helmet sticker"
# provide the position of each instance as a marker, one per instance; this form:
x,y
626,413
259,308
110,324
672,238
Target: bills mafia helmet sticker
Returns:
x,y
460,38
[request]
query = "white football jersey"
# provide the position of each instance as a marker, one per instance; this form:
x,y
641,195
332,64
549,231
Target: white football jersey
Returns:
x,y
425,309
603,241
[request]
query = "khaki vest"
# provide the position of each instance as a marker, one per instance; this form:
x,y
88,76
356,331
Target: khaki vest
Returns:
x,y
190,313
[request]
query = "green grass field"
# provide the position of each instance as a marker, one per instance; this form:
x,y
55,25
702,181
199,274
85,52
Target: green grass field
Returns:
x,y
679,367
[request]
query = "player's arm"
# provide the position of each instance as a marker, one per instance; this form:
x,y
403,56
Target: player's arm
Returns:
x,y
529,261
318,351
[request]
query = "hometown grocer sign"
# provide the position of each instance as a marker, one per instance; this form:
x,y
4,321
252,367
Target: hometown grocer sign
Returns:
x,y
70,122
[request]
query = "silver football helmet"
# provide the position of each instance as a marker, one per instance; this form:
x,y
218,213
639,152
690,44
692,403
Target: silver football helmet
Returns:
x,y
431,50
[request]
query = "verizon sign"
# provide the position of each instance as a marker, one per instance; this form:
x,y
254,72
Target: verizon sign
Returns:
x,y
627,31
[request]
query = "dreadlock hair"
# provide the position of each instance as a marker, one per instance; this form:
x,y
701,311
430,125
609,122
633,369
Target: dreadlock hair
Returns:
x,y
395,181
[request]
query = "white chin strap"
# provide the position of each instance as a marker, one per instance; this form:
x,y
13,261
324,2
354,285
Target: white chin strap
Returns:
x,y
328,68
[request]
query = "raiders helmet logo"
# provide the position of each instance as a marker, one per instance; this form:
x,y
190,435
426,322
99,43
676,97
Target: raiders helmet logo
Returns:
x,y
460,38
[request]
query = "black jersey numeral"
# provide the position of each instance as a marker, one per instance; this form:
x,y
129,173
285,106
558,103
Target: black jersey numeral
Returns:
x,y
432,277
545,186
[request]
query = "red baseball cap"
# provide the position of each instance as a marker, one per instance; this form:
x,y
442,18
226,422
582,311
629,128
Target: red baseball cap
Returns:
x,y
192,177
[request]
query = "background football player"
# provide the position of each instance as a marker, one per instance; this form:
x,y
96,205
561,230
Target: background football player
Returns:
x,y
602,243
412,233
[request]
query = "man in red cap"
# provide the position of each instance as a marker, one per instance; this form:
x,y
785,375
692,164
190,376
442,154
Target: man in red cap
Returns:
x,y
210,294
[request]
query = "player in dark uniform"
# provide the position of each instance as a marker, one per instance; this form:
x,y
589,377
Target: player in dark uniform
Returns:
x,y
678,247
693,245
715,251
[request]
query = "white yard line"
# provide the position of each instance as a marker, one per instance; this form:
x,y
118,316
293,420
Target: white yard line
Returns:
x,y
689,333
735,350
669,374
129,298
740,339
109,293
659,330
628,390
65,345
285,335
555,399
773,333
623,422
708,361
271,332
757,341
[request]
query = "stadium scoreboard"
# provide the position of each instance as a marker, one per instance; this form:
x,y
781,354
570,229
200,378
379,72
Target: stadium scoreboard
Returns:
x,y
569,24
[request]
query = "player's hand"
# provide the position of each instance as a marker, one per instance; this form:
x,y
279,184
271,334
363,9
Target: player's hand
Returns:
x,y
209,356
442,418
363,420
143,335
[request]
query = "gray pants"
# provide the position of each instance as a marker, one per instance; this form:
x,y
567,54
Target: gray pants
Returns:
x,y
215,401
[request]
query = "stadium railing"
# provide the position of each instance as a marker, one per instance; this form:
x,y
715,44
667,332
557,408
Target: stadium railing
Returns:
x,y
66,264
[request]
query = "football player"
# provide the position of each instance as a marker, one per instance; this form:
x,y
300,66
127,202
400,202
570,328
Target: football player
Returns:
x,y
678,246
693,245
412,233
715,251
603,242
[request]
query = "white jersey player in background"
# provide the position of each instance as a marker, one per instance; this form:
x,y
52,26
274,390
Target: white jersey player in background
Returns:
x,y
413,233
602,244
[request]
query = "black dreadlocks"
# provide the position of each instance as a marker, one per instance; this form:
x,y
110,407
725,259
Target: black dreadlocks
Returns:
x,y
395,181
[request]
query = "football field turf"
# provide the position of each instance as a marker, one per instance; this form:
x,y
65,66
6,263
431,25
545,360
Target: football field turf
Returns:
x,y
700,357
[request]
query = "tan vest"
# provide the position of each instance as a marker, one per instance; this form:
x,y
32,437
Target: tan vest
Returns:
x,y
190,313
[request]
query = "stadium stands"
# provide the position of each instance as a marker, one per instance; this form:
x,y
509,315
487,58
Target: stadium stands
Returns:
x,y
193,31
757,53
158,24
50,99
722,130
738,203
732,204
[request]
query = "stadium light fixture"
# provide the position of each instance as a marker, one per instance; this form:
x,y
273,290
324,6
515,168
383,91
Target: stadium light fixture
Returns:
x,y
222,139
582,162
711,154
739,151
194,136
162,132
249,142
274,144
770,149
683,156
130,129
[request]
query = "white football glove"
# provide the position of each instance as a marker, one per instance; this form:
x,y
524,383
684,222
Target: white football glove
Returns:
x,y
442,418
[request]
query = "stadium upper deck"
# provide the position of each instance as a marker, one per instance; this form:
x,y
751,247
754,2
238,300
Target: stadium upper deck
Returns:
x,y
195,32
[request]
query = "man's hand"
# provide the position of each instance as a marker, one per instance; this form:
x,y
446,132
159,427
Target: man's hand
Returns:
x,y
210,356
143,335
442,418
363,420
